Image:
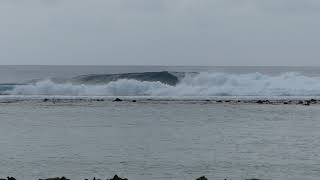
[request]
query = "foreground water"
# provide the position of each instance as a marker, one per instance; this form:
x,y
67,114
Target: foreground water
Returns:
x,y
159,140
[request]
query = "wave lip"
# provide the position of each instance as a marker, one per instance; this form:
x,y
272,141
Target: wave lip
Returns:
x,y
201,85
163,77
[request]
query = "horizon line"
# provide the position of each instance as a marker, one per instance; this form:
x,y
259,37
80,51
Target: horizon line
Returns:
x,y
161,65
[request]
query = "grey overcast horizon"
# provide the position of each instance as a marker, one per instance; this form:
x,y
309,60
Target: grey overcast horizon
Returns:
x,y
160,32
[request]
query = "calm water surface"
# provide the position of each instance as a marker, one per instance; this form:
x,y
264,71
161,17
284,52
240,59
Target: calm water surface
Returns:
x,y
159,140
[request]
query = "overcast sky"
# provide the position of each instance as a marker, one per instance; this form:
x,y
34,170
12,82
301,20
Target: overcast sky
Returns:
x,y
160,32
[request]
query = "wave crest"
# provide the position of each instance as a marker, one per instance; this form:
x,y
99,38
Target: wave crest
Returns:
x,y
202,84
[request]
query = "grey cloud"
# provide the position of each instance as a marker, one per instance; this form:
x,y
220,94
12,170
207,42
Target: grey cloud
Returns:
x,y
164,32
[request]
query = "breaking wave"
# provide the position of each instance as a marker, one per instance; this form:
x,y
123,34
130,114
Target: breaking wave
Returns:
x,y
202,84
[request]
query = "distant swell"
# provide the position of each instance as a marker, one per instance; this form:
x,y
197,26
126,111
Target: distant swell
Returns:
x,y
202,84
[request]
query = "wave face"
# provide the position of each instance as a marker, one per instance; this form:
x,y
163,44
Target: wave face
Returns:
x,y
163,77
202,84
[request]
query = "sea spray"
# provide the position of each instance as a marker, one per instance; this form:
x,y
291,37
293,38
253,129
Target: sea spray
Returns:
x,y
202,84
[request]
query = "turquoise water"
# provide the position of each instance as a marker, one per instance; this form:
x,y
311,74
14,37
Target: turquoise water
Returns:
x,y
6,87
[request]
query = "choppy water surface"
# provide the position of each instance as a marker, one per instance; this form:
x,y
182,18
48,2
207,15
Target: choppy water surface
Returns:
x,y
159,140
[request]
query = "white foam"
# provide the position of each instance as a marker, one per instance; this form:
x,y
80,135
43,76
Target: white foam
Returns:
x,y
202,84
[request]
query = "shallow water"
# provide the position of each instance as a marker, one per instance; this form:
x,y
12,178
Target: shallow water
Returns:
x,y
159,140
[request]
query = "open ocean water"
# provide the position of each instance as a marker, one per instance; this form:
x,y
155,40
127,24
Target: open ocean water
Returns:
x,y
56,122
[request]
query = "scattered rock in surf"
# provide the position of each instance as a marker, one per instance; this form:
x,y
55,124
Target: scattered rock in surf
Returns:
x,y
45,100
11,178
116,177
134,101
263,102
56,178
117,100
313,101
100,100
253,179
202,178
300,102
219,101
94,178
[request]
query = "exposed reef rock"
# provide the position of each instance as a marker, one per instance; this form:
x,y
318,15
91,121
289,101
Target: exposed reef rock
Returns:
x,y
56,178
8,178
202,178
116,177
117,100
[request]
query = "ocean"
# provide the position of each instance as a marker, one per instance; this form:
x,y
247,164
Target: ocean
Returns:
x,y
192,81
173,123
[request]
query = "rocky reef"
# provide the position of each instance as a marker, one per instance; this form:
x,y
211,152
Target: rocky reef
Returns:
x,y
115,177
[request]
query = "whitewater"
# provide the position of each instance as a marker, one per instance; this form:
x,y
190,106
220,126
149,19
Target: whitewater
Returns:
x,y
199,84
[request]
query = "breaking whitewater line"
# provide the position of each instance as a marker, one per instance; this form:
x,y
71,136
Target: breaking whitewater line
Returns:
x,y
202,84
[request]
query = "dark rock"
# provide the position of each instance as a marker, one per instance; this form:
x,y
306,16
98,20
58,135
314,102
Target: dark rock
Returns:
x,y
260,102
56,178
45,100
313,101
202,178
117,100
307,103
300,102
253,179
11,178
285,102
134,101
116,177
219,101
